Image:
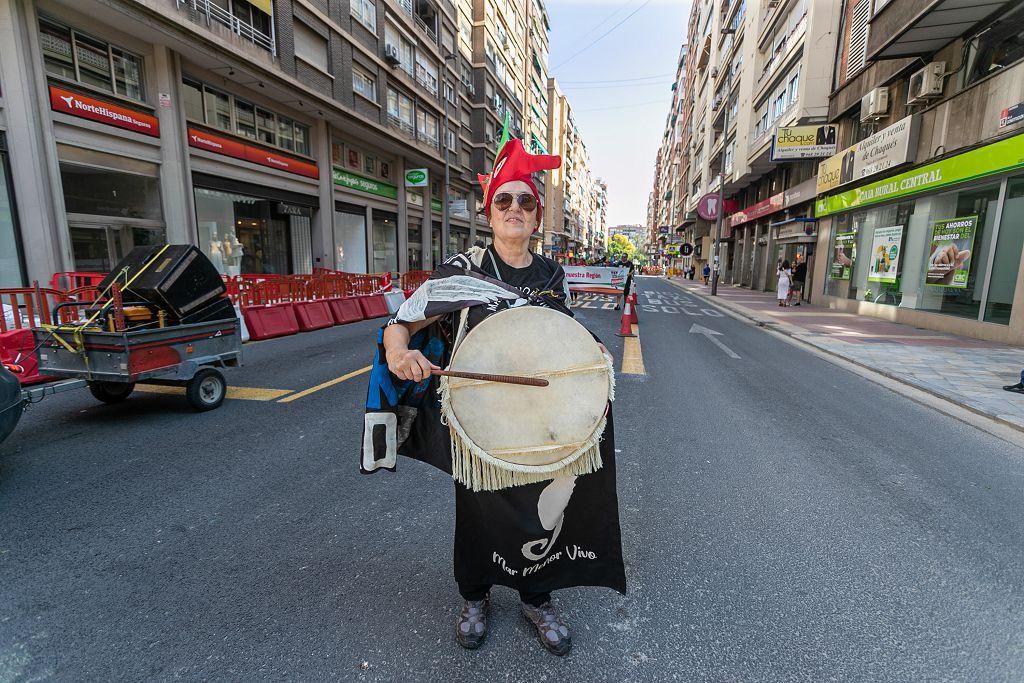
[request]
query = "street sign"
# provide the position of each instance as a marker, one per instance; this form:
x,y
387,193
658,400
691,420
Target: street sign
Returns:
x,y
707,207
416,177
686,249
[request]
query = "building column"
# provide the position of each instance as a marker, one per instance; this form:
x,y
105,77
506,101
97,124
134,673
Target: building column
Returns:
x,y
175,172
427,230
36,173
323,225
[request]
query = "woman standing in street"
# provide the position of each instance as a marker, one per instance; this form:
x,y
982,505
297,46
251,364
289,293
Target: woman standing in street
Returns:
x,y
508,536
785,283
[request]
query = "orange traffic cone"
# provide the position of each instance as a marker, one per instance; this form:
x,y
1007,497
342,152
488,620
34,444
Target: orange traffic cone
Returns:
x,y
626,321
632,309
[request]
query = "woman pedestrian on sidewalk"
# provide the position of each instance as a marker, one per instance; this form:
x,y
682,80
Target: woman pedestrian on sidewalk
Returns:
x,y
528,537
785,283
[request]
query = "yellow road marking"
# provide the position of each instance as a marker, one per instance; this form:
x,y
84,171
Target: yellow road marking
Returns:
x,y
242,393
325,385
632,356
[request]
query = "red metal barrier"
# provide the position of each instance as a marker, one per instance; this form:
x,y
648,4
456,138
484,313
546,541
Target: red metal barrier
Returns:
x,y
413,279
74,280
24,307
18,347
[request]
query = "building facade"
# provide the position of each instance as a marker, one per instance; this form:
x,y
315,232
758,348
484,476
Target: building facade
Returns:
x,y
275,135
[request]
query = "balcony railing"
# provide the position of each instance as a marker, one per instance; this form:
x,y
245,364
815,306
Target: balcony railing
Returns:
x,y
401,125
243,29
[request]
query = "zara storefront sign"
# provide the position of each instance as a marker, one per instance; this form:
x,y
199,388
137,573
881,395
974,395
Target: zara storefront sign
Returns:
x,y
803,142
84,107
886,149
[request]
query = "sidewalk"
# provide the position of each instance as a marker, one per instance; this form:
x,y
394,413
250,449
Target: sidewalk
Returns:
x,y
968,372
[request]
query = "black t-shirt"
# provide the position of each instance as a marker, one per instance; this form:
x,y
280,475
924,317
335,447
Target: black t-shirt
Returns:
x,y
536,277
800,272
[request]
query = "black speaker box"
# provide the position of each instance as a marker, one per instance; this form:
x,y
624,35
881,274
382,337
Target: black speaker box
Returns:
x,y
180,279
218,309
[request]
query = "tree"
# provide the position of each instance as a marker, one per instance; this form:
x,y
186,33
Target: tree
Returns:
x,y
619,246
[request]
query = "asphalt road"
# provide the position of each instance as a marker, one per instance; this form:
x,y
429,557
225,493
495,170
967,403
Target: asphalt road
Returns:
x,y
782,519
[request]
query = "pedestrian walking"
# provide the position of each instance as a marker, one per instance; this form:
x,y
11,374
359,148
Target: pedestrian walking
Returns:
x,y
707,273
785,282
506,536
799,278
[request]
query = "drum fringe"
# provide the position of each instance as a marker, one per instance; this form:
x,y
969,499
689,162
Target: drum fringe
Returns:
x,y
476,469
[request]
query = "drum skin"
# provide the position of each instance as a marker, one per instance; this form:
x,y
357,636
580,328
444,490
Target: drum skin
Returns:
x,y
523,424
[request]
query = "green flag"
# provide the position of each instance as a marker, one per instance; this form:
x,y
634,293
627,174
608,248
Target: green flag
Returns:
x,y
504,133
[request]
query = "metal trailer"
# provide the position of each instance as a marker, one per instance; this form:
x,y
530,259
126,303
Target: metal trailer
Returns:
x,y
110,364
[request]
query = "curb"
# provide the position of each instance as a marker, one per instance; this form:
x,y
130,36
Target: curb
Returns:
x,y
744,314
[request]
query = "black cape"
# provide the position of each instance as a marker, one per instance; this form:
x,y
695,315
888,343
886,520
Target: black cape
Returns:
x,y
534,538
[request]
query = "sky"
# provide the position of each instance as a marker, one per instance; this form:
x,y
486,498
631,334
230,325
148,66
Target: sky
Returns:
x,y
621,123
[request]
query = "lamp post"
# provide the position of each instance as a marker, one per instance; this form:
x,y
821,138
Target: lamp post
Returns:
x,y
446,191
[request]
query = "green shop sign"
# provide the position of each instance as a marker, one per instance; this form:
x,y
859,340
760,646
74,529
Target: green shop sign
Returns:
x,y
358,182
998,157
435,204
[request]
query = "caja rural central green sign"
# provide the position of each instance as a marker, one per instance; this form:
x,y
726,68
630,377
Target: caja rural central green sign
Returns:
x,y
999,157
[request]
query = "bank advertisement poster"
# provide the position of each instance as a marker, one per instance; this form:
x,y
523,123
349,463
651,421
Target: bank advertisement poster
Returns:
x,y
593,276
949,260
844,255
886,245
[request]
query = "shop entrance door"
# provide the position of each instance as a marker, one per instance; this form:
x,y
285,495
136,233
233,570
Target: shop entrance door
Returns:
x,y
97,247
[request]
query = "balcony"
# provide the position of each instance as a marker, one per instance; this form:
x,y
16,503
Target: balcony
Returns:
x,y
403,126
243,29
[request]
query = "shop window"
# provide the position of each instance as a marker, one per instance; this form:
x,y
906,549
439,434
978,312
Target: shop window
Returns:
x,y
103,192
415,247
350,238
246,234
10,262
285,134
310,46
364,84
385,242
81,58
365,11
1008,255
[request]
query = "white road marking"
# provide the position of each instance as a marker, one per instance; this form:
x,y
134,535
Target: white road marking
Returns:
x,y
712,336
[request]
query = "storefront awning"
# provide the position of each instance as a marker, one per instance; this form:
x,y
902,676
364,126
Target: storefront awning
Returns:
x,y
798,219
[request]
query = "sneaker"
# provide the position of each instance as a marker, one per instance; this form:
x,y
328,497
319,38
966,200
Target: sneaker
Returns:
x,y
472,627
551,630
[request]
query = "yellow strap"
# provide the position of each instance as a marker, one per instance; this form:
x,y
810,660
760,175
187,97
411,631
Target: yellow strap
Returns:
x,y
53,333
127,284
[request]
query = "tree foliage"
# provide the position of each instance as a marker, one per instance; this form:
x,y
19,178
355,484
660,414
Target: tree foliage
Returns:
x,y
620,246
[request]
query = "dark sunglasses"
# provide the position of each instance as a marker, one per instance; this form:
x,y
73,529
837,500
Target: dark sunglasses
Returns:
x,y
526,201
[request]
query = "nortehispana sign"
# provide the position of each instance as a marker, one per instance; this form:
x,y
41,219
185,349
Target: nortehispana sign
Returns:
x,y
85,107
200,139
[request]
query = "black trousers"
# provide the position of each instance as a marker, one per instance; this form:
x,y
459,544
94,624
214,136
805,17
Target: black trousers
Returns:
x,y
470,592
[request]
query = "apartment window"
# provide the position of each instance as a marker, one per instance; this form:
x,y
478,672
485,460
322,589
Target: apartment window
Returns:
x,y
451,139
310,46
792,87
225,112
426,73
400,111
426,127
447,40
365,11
74,56
405,48
364,84
997,46
465,118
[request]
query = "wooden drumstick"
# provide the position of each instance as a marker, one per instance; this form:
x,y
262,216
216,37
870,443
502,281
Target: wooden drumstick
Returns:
x,y
507,379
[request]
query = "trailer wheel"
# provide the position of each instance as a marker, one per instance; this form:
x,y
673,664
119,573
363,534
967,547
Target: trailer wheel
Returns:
x,y
206,390
111,392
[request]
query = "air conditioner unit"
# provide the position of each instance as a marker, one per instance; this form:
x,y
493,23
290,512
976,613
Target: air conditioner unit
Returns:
x,y
772,4
874,105
497,102
927,83
488,138
714,72
391,55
